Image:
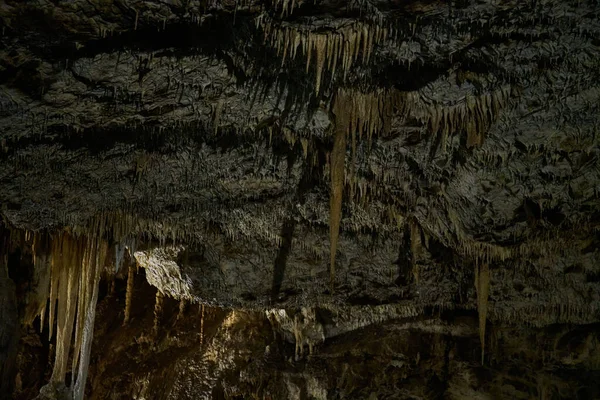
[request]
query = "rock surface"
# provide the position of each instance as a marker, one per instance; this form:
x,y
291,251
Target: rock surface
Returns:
x,y
365,165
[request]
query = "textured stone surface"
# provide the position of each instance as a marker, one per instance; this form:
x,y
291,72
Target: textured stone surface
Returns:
x,y
367,353
471,139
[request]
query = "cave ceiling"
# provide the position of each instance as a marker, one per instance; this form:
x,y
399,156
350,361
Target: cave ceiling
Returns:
x,y
303,152
380,179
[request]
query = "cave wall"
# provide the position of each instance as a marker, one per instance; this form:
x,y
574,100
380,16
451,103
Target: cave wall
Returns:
x,y
377,160
9,330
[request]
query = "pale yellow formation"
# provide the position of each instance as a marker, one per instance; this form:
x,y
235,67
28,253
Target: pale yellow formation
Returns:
x,y
66,260
371,113
475,250
302,324
67,270
76,265
326,49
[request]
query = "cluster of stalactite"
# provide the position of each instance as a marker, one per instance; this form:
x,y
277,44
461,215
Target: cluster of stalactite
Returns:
x,y
127,228
362,115
358,113
327,50
67,270
474,116
63,292
76,267
287,6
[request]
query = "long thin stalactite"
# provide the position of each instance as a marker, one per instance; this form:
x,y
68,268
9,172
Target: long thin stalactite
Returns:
x,y
338,157
482,286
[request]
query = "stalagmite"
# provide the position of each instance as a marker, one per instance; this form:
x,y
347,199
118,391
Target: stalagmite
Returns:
x,y
482,286
129,293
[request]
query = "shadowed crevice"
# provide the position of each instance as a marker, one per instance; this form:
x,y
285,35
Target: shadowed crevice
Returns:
x,y
310,178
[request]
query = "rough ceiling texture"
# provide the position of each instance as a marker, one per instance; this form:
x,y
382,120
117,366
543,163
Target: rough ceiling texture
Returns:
x,y
354,166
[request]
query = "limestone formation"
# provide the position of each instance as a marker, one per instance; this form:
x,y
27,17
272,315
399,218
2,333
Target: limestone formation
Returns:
x,y
299,199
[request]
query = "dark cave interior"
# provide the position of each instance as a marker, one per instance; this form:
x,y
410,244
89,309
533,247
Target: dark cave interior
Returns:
x,y
294,199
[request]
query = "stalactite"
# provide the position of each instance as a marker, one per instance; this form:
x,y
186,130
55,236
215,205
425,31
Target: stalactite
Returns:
x,y
415,248
287,7
54,279
75,268
474,116
320,47
129,293
68,271
82,300
97,251
202,324
182,304
364,115
42,318
158,306
482,286
304,143
37,296
341,46
119,255
338,157
217,115
112,289
297,337
484,252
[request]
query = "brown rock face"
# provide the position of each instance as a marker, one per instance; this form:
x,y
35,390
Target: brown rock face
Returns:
x,y
299,199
